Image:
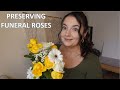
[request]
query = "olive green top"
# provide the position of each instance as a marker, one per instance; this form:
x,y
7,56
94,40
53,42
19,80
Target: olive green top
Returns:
x,y
89,68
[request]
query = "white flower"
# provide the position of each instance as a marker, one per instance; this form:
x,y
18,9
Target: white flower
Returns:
x,y
29,73
47,45
59,66
55,55
36,56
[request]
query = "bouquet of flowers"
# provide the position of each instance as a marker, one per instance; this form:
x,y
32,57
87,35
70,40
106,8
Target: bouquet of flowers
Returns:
x,y
47,61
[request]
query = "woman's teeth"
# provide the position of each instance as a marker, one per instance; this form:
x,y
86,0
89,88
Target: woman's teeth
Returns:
x,y
68,39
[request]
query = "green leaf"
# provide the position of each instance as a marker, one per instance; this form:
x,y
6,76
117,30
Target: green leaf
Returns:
x,y
27,56
33,58
47,74
31,54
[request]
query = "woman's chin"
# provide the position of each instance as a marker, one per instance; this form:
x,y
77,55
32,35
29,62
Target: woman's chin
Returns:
x,y
67,44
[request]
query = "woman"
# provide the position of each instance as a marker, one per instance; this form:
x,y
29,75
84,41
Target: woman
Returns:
x,y
80,63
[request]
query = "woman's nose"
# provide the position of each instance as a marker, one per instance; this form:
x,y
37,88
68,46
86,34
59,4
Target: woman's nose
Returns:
x,y
67,32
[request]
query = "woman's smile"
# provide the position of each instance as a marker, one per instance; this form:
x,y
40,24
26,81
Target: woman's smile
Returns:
x,y
67,39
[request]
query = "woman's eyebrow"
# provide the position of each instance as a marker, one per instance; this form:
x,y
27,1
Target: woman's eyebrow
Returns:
x,y
64,24
76,25
73,25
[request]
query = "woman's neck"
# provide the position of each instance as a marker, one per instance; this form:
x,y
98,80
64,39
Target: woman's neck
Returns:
x,y
75,50
72,56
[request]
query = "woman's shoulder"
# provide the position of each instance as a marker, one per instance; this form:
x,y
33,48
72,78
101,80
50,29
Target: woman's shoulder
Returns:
x,y
92,58
92,55
93,68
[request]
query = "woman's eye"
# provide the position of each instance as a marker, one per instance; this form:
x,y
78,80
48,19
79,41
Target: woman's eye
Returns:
x,y
75,29
64,28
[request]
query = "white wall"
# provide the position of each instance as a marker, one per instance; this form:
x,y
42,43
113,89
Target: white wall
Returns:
x,y
13,47
105,29
119,37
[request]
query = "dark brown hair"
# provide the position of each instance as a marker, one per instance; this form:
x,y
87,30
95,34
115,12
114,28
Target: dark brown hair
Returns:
x,y
84,43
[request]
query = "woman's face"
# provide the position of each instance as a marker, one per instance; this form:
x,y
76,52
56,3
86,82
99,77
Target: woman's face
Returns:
x,y
69,34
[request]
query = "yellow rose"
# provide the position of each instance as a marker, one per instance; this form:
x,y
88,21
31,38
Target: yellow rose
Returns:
x,y
48,63
34,49
29,45
38,68
40,45
56,75
54,46
33,41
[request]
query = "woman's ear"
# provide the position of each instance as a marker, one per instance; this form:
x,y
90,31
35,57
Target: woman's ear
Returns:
x,y
84,34
81,30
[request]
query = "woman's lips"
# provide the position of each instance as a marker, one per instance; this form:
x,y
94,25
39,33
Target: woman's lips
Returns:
x,y
68,39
